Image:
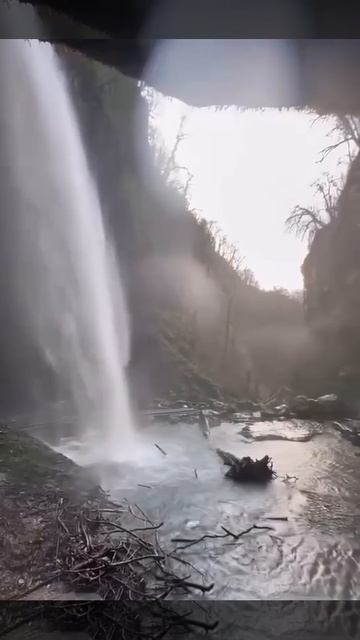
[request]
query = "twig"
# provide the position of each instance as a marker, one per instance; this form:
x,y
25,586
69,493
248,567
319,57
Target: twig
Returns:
x,y
179,582
151,528
287,478
63,525
160,449
120,563
190,542
118,527
185,562
146,486
143,514
86,536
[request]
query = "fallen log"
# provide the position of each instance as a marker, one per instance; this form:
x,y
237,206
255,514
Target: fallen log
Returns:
x,y
246,469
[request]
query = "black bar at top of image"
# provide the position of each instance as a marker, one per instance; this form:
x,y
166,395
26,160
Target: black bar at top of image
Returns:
x,y
194,18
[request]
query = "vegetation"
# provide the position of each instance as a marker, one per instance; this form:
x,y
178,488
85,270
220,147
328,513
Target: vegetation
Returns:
x,y
306,221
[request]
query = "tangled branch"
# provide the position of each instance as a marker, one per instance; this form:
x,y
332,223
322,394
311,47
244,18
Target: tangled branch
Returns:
x,y
97,552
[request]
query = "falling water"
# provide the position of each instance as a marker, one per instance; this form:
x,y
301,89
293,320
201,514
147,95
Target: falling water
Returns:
x,y
65,268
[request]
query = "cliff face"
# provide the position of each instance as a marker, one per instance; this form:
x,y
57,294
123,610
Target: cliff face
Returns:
x,y
331,273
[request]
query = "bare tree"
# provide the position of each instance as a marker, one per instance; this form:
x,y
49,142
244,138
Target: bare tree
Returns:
x,y
348,130
247,277
166,161
227,250
305,221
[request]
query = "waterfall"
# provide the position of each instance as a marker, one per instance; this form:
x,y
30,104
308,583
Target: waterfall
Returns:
x,y
64,268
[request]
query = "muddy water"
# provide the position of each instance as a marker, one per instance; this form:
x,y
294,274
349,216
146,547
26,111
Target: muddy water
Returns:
x,y
315,553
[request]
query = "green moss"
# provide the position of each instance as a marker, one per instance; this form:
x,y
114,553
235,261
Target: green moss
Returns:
x,y
25,460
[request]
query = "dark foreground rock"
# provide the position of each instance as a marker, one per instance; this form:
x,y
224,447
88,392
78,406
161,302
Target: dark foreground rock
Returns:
x,y
247,470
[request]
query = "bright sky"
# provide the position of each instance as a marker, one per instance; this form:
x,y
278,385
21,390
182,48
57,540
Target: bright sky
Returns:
x,y
250,169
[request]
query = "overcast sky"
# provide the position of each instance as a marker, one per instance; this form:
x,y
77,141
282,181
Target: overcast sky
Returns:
x,y
250,169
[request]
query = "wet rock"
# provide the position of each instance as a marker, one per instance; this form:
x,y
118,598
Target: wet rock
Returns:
x,y
330,398
239,417
282,410
282,396
325,407
332,406
181,404
268,414
217,405
304,407
246,405
299,403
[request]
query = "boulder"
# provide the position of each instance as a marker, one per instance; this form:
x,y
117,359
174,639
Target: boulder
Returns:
x,y
268,414
304,407
325,407
246,405
330,406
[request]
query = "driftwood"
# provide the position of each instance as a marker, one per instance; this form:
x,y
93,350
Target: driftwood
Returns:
x,y
245,469
189,542
102,555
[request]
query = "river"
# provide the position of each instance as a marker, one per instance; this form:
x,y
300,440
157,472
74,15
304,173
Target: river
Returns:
x,y
314,554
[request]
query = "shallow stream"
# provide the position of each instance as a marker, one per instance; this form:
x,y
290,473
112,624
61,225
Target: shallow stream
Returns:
x,y
315,553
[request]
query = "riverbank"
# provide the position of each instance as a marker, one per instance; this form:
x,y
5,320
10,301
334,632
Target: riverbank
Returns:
x,y
60,532
283,405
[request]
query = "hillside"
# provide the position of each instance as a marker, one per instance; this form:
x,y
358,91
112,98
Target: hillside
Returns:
x,y
332,277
